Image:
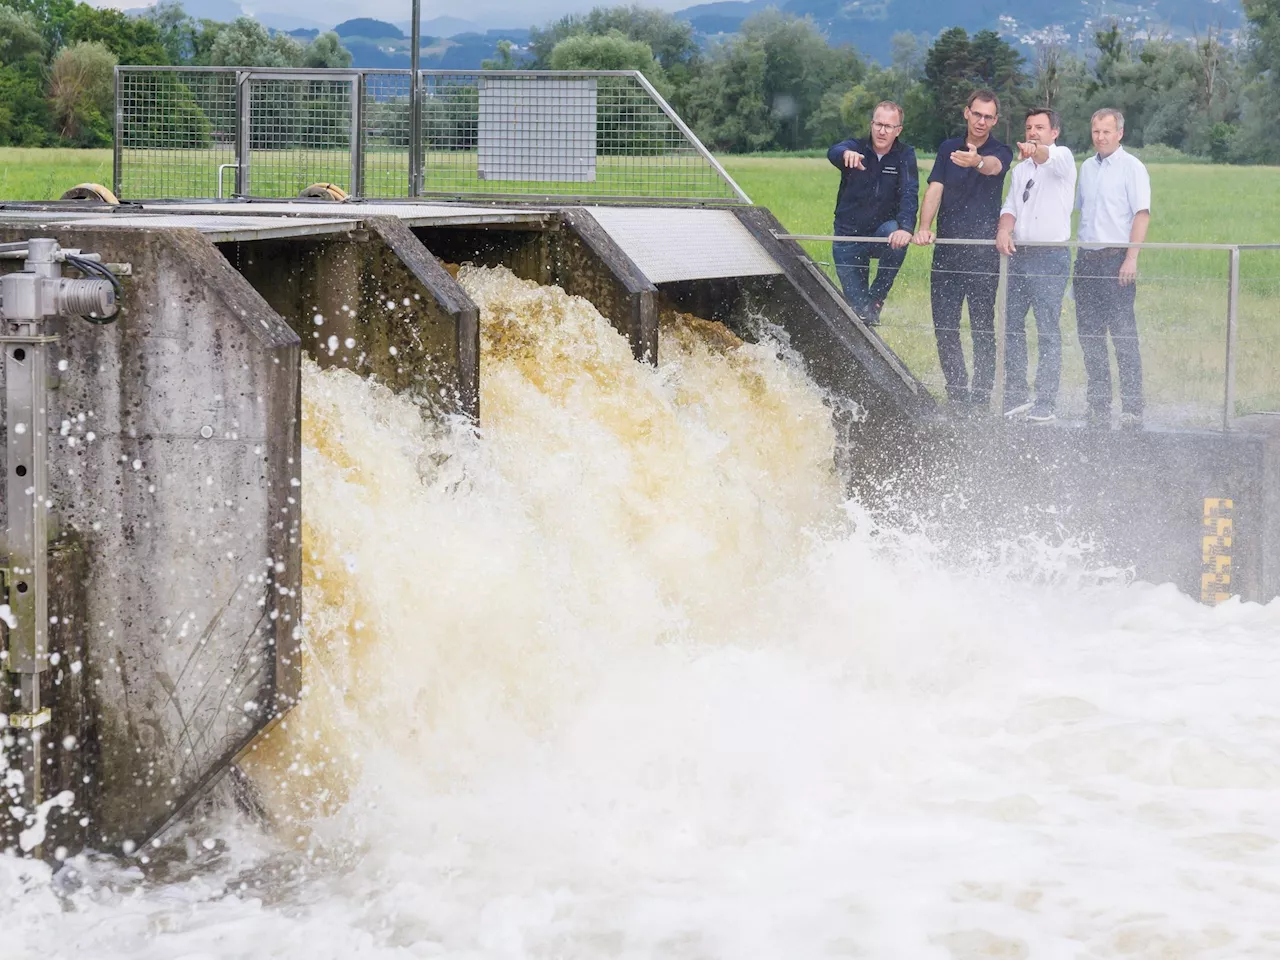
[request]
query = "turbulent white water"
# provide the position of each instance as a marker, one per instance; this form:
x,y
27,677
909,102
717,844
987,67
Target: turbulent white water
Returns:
x,y
621,677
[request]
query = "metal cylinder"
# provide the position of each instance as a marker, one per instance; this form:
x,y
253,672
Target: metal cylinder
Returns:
x,y
89,297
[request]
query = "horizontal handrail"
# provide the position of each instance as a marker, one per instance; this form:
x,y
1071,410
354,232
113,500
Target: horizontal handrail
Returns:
x,y
346,71
1083,244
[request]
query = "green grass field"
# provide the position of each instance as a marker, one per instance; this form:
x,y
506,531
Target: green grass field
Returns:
x,y
1182,300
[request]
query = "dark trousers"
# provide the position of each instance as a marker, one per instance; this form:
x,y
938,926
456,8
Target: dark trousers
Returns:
x,y
1104,306
853,267
1037,281
959,274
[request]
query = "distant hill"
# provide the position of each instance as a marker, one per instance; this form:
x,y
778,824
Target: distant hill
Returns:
x,y
869,24
367,27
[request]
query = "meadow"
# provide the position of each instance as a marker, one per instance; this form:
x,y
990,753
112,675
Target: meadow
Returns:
x,y
1182,299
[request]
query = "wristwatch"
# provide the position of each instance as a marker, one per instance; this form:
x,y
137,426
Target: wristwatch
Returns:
x,y
981,161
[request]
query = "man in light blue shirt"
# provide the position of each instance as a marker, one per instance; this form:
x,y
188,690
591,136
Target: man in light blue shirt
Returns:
x,y
1114,199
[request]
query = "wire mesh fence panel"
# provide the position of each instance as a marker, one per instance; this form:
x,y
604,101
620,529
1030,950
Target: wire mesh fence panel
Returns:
x,y
300,133
1258,334
1180,316
175,130
591,134
586,134
385,120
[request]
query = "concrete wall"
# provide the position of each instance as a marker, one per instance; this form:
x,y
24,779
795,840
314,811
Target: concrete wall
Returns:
x,y
1135,498
188,544
389,309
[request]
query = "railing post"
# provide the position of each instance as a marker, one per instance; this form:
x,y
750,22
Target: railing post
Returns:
x,y
415,102
1233,307
357,136
1002,306
242,133
116,137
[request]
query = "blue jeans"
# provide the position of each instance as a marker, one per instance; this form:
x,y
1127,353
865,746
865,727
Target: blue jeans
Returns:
x,y
853,267
1037,281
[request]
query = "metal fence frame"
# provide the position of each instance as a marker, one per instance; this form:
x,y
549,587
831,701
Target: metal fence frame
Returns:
x,y
707,182
1233,294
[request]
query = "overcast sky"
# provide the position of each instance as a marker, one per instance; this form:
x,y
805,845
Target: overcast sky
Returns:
x,y
486,13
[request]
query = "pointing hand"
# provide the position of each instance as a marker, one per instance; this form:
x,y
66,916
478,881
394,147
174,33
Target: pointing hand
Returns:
x,y
853,160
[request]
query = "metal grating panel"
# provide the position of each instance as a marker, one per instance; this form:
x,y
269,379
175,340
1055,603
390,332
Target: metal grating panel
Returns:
x,y
600,135
537,131
676,244
300,132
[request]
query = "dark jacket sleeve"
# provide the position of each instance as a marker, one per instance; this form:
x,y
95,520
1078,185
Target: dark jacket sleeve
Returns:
x,y
908,192
836,153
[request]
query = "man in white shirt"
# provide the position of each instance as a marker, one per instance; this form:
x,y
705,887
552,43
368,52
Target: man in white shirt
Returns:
x,y
1038,208
1115,207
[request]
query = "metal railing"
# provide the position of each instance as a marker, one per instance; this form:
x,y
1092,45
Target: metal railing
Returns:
x,y
602,135
1216,328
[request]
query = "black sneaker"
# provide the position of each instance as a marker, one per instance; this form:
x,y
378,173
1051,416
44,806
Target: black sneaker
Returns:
x,y
872,318
1042,412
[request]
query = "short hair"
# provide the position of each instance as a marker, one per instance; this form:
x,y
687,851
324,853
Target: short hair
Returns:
x,y
889,105
984,94
1055,121
1111,112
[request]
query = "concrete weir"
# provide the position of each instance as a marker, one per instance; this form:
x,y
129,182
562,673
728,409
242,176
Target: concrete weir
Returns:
x,y
174,449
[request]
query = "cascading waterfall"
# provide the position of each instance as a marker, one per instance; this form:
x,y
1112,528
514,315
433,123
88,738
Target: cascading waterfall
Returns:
x,y
620,674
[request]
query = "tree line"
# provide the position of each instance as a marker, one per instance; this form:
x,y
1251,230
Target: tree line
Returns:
x,y
57,60
776,85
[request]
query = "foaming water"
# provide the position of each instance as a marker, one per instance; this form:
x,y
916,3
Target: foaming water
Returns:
x,y
621,676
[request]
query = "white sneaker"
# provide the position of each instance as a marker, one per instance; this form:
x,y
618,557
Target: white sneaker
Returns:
x,y
1020,408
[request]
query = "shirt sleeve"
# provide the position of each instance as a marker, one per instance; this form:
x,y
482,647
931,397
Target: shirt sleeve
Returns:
x,y
1008,201
1139,187
909,199
940,162
1061,162
1004,153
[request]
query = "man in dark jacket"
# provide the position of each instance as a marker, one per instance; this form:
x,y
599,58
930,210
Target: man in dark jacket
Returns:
x,y
879,196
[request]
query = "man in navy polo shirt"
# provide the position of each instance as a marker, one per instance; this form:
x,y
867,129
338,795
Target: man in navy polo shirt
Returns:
x,y
964,192
878,197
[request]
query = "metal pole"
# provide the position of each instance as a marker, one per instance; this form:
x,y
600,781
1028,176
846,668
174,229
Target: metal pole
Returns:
x,y
1002,305
415,102
1233,306
242,134
116,136
357,136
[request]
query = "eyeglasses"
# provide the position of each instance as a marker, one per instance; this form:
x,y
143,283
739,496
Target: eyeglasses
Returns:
x,y
1027,192
988,117
886,127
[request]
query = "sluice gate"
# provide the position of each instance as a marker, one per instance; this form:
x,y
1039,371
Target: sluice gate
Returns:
x,y
173,492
